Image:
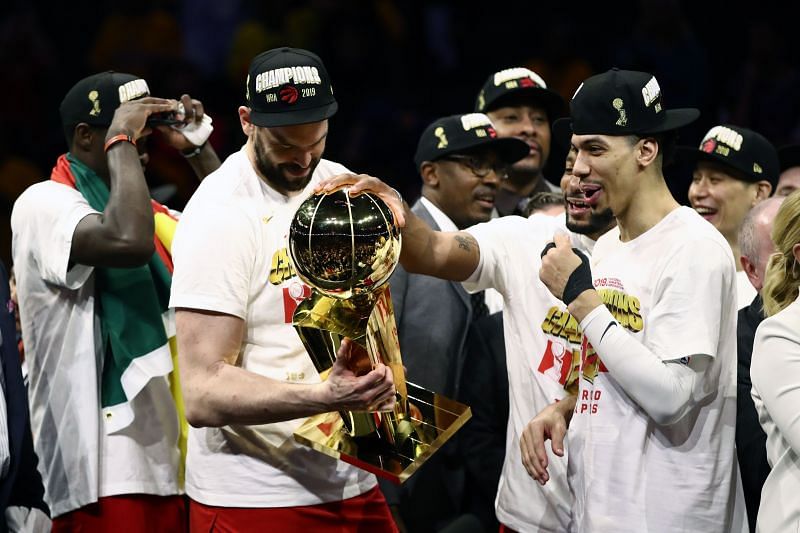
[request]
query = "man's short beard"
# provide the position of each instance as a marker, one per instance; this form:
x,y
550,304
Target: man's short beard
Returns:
x,y
275,175
598,222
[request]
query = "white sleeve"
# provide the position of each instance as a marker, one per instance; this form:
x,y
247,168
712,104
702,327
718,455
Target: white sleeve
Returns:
x,y
691,294
44,218
664,389
27,520
775,373
214,253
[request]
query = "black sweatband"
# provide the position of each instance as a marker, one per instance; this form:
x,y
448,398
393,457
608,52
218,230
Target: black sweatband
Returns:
x,y
547,248
580,279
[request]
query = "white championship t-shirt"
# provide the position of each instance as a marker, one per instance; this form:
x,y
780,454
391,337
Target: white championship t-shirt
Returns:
x,y
230,253
79,462
673,289
541,339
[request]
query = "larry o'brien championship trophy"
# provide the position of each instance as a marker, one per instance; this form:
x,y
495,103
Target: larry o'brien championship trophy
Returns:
x,y
345,249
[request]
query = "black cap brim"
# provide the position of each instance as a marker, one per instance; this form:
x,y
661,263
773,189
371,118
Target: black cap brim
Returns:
x,y
789,156
552,102
293,118
691,156
674,119
509,149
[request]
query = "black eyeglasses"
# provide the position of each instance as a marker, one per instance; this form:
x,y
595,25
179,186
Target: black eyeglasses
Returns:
x,y
478,165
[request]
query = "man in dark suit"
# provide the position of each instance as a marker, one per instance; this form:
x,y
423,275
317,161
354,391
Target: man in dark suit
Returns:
x,y
756,248
461,161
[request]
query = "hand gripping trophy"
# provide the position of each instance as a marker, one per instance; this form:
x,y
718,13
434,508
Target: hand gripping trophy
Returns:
x,y
346,248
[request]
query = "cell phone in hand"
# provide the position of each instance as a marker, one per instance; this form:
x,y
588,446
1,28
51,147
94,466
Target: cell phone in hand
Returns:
x,y
170,118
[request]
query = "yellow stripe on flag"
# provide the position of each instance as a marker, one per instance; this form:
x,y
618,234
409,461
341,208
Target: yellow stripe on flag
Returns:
x,y
165,229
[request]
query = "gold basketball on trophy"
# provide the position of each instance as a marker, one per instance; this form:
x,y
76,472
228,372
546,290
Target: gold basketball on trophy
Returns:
x,y
343,246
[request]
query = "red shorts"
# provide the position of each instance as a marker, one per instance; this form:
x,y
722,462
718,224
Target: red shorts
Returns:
x,y
367,512
127,513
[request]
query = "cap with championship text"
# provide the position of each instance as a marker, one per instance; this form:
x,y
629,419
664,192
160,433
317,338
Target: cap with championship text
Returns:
x,y
624,102
462,133
507,85
289,86
745,151
94,99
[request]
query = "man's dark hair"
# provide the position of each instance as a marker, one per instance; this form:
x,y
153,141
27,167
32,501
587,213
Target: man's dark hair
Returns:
x,y
541,200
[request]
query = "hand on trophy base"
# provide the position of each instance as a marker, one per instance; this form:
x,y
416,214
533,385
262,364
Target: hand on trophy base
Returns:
x,y
352,385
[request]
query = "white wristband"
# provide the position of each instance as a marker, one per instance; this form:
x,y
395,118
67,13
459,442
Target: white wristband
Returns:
x,y
197,133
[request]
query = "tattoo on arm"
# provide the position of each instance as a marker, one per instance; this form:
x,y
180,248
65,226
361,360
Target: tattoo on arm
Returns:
x,y
466,242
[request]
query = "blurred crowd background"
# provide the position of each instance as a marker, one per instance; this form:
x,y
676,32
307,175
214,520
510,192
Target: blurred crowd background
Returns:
x,y
396,65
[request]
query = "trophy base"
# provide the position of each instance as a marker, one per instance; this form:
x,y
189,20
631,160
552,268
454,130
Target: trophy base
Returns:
x,y
433,418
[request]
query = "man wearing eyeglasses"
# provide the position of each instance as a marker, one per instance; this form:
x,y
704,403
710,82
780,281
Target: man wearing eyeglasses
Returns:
x,y
520,105
461,160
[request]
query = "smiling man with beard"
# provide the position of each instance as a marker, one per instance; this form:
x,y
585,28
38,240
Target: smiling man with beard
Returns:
x,y
581,218
247,379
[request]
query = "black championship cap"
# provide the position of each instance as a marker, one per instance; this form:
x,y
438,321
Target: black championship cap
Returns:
x,y
624,102
748,153
457,134
789,156
506,85
289,86
93,100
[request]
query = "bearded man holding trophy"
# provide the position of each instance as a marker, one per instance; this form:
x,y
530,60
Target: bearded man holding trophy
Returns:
x,y
250,383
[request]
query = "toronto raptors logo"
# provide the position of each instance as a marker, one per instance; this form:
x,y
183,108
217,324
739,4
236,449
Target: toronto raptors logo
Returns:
x,y
527,82
295,293
492,132
708,146
289,94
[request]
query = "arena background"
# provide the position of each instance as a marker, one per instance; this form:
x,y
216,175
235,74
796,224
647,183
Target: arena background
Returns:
x,y
396,65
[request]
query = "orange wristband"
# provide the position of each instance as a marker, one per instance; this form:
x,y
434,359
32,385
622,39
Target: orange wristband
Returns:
x,y
118,139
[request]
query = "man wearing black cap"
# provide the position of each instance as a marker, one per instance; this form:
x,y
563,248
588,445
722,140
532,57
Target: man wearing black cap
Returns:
x,y
248,382
91,255
734,169
651,429
461,161
789,180
520,105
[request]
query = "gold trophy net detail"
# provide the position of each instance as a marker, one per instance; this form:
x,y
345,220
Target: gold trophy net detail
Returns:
x,y
346,249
